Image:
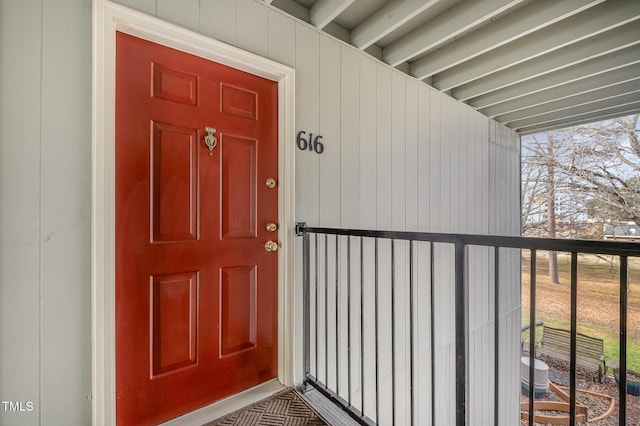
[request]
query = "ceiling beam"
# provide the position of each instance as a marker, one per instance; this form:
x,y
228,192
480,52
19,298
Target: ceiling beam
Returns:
x,y
512,27
604,114
337,31
587,85
585,50
387,19
555,106
576,110
578,121
566,82
324,11
445,27
598,19
293,8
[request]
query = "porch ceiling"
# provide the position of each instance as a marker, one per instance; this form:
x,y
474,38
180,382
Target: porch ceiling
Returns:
x,y
532,65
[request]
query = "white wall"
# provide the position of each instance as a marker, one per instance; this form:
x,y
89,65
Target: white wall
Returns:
x,y
398,155
45,205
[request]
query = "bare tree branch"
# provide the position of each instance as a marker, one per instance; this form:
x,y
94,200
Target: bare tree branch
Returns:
x,y
596,174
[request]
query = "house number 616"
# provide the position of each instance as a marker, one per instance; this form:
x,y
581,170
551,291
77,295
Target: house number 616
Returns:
x,y
311,143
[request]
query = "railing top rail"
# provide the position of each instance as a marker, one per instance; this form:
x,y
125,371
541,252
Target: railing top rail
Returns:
x,y
617,248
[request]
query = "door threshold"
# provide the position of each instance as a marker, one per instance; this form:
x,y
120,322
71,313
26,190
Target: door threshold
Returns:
x,y
329,411
228,405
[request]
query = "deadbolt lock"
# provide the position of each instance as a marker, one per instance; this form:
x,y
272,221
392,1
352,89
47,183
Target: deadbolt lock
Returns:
x,y
271,183
271,227
271,246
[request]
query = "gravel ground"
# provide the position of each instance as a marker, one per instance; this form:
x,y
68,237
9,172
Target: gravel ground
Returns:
x,y
595,405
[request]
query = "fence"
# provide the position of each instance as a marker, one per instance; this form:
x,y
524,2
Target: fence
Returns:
x,y
382,342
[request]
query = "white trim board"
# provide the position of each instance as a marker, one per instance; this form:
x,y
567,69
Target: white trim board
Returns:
x,y
228,405
108,18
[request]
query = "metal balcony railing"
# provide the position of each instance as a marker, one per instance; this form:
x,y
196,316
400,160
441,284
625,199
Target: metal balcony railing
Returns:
x,y
366,327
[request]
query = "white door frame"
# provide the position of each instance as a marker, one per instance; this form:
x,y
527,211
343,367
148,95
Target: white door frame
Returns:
x,y
108,18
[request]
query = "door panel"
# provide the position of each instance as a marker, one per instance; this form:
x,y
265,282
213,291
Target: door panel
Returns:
x,y
173,322
196,292
174,85
238,157
174,171
240,102
238,309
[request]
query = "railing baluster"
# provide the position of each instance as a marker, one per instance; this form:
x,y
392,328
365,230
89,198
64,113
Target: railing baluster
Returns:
x,y
362,324
326,310
316,303
393,332
375,262
574,338
461,310
432,331
496,332
337,318
306,277
411,331
532,333
349,319
624,300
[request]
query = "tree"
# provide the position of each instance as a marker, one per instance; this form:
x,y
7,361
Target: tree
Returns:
x,y
540,189
605,168
551,208
589,172
596,173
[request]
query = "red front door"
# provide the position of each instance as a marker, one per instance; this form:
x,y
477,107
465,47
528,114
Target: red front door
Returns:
x,y
196,291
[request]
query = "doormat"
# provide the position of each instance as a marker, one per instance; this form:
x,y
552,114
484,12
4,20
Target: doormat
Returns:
x,y
286,408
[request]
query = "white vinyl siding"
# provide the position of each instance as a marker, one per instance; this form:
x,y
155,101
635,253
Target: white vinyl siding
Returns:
x,y
45,212
398,155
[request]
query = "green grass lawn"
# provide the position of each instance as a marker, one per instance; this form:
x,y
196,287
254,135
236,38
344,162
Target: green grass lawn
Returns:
x,y
598,302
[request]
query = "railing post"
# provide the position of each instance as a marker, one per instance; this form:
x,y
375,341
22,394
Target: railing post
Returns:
x,y
573,358
532,333
306,281
624,301
462,344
